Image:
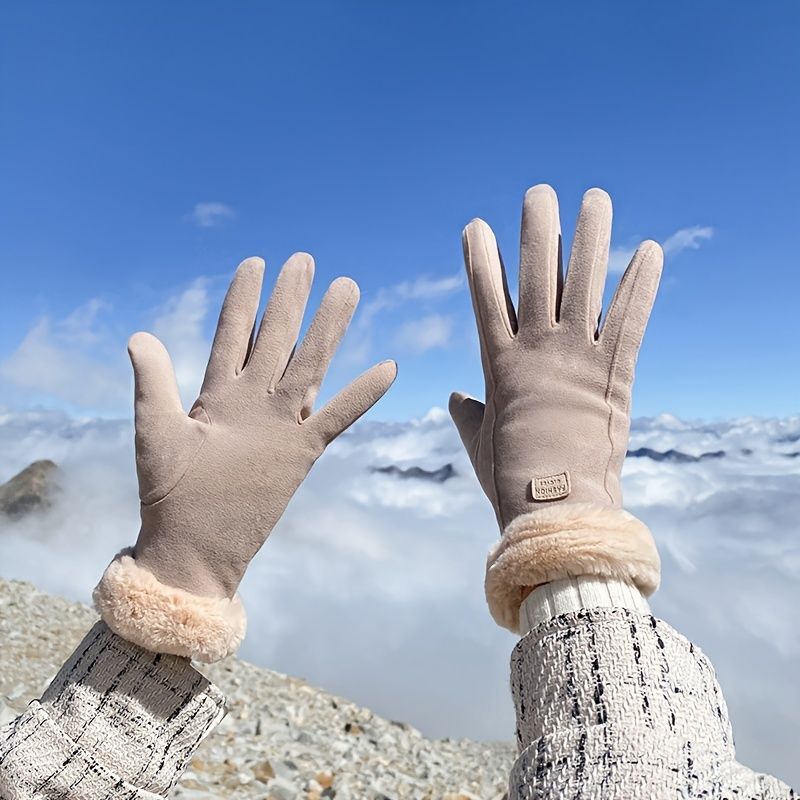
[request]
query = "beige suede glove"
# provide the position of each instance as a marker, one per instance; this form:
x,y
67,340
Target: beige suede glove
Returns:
x,y
549,443
213,483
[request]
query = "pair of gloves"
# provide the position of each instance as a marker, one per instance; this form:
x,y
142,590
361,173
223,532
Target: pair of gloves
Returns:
x,y
547,445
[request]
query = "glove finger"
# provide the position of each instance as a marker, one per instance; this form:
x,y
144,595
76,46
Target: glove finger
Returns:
x,y
308,366
540,272
156,389
467,414
630,309
280,325
494,311
233,337
354,400
588,263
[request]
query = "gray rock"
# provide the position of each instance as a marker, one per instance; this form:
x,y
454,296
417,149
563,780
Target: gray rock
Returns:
x,y
281,738
33,489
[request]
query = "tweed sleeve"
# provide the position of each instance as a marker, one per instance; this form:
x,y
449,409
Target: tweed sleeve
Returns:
x,y
116,722
613,703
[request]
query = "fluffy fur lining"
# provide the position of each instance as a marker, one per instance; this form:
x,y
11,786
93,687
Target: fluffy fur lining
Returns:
x,y
567,540
163,619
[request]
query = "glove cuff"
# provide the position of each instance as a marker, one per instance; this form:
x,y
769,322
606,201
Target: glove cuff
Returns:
x,y
562,541
165,619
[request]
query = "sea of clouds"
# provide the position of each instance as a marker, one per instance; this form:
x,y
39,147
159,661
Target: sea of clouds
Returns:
x,y
371,586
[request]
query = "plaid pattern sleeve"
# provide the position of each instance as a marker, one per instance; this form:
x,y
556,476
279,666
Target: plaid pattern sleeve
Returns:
x,y
116,722
613,703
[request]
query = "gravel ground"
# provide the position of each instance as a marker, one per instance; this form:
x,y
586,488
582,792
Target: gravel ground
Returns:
x,y
281,739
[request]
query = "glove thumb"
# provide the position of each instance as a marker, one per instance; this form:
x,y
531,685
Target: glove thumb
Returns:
x,y
156,390
467,413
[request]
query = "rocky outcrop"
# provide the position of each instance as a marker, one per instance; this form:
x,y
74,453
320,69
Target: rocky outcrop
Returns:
x,y
281,738
33,489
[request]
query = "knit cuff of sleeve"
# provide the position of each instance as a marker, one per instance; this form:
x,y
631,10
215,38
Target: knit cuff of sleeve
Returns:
x,y
562,541
165,619
569,595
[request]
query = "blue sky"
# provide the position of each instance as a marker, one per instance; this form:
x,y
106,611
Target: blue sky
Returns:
x,y
146,148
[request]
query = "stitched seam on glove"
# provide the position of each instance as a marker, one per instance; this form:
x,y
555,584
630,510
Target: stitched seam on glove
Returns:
x,y
611,374
189,463
490,400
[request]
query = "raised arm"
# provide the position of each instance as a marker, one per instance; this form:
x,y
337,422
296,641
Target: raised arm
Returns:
x,y
611,703
125,713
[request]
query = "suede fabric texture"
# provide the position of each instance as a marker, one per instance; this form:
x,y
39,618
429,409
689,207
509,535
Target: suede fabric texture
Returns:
x,y
554,428
214,482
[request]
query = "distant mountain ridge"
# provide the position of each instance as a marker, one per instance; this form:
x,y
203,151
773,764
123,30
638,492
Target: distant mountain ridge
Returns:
x,y
675,456
447,471
440,475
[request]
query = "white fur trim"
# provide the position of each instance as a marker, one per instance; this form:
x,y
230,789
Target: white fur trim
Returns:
x,y
565,540
163,619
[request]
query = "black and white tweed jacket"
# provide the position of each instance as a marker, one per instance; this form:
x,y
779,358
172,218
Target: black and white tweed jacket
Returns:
x,y
611,703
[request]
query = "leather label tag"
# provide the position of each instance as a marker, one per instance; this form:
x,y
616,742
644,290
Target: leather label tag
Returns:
x,y
551,487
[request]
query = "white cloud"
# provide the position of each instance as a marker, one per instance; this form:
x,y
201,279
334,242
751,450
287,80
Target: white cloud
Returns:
x,y
81,362
684,239
179,324
619,258
69,360
687,239
423,289
426,333
210,215
83,326
377,309
399,564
